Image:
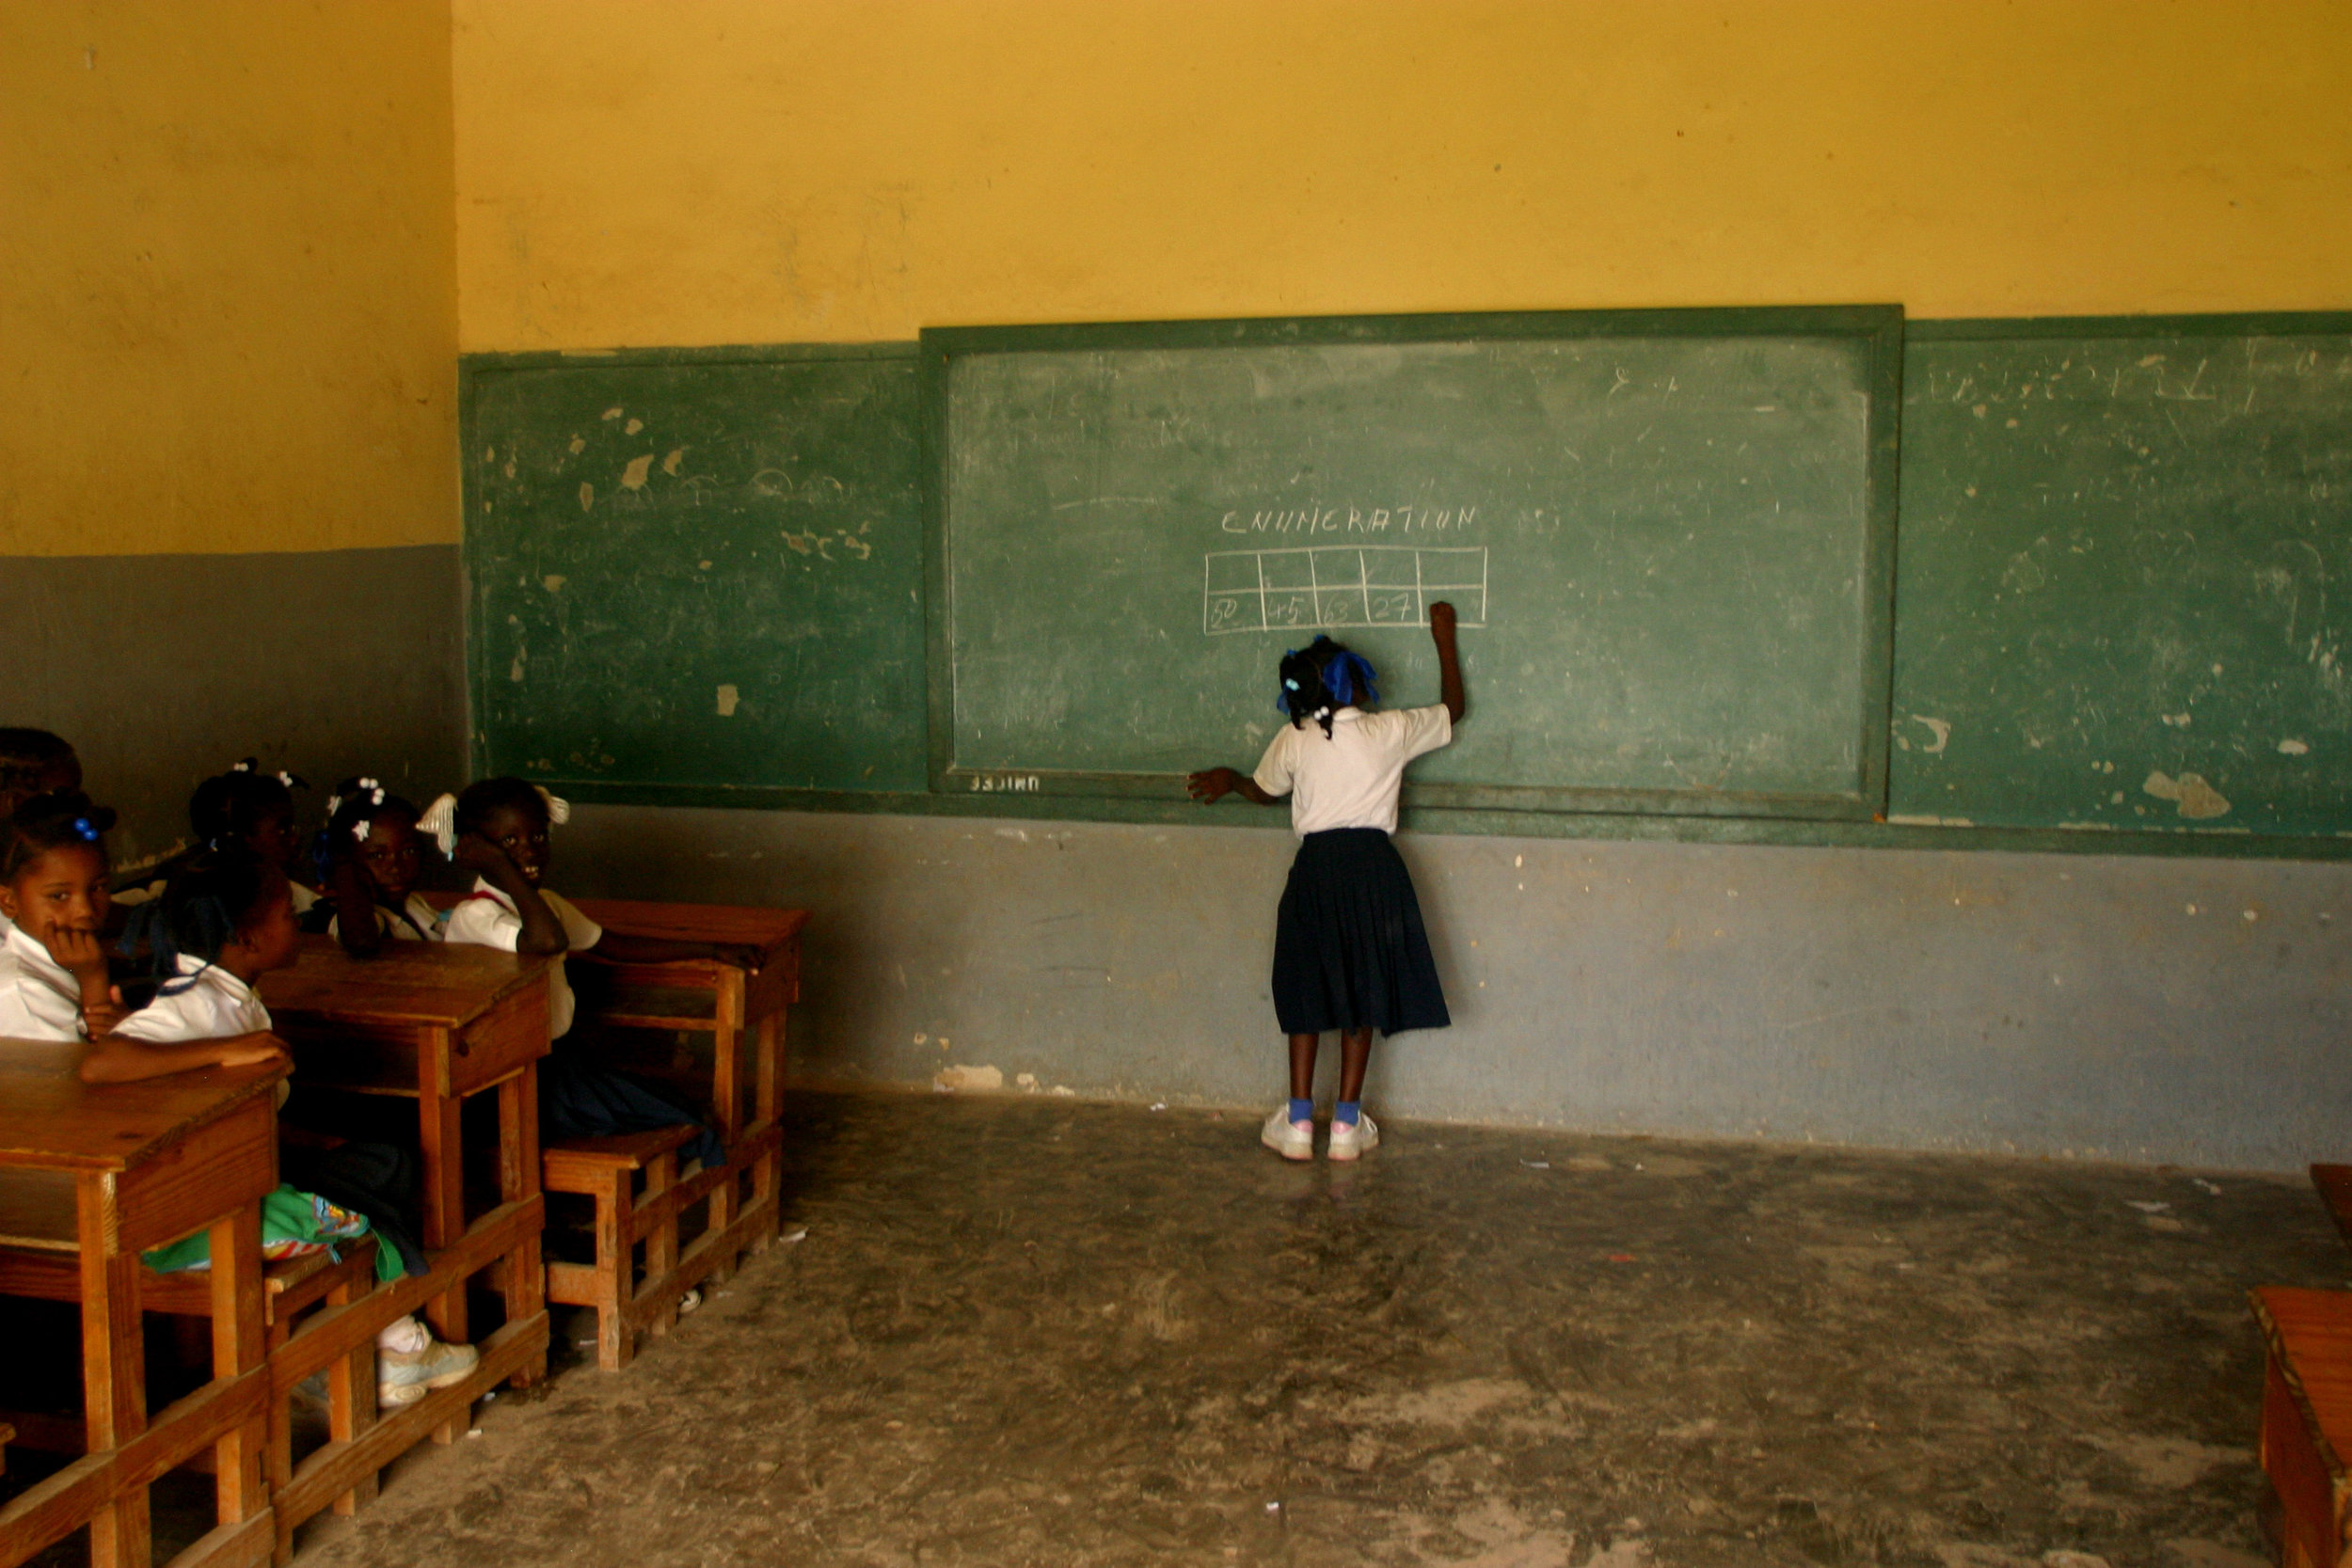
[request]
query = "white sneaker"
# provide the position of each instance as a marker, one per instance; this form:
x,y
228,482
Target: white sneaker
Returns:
x,y
1291,1140
1350,1143
405,1376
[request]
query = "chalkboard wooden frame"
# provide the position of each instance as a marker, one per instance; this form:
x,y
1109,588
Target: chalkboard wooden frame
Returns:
x,y
1878,328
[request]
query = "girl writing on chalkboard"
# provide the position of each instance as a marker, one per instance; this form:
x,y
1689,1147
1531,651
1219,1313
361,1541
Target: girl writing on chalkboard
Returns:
x,y
1350,953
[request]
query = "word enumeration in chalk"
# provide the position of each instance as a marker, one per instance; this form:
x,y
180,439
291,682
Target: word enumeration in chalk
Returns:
x,y
1350,520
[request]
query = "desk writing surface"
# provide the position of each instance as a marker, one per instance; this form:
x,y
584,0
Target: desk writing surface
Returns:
x,y
760,927
49,1119
420,984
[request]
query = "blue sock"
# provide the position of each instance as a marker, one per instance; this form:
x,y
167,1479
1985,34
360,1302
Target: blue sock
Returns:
x,y
1348,1112
1302,1110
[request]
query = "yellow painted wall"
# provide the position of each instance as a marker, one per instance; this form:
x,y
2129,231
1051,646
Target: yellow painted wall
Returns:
x,y
226,275
766,170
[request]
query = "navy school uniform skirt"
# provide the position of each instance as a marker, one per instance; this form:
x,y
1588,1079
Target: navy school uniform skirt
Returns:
x,y
1350,951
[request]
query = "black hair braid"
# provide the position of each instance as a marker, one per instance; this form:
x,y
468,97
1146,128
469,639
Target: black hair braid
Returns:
x,y
350,815
1305,693
40,823
28,756
486,797
229,806
211,898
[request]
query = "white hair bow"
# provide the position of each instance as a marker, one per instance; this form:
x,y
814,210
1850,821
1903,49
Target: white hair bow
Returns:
x,y
559,809
440,820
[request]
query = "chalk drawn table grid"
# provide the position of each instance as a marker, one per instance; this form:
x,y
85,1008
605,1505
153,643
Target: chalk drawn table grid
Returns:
x,y
1330,587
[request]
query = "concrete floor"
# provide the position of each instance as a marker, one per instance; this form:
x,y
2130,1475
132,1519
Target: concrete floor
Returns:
x,y
1032,1331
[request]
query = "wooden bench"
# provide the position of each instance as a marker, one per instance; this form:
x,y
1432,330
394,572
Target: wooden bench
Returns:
x,y
744,1015
2307,1422
2335,1190
291,1289
634,1179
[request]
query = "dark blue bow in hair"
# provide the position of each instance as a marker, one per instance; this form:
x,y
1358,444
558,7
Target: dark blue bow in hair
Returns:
x,y
82,826
1349,678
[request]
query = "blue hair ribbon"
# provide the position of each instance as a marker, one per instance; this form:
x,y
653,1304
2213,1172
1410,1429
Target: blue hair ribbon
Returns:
x,y
1350,679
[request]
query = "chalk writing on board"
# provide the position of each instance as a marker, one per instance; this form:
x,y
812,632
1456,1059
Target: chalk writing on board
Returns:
x,y
1350,520
1000,784
1335,586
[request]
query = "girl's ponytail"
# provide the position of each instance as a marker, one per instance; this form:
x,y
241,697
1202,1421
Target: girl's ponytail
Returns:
x,y
1321,678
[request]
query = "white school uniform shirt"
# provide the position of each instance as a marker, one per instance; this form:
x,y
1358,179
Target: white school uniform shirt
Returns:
x,y
212,1005
1351,778
39,999
423,925
489,919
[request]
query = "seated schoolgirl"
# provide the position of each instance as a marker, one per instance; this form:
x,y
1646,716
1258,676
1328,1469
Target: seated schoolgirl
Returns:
x,y
53,894
33,762
498,829
371,857
247,807
225,919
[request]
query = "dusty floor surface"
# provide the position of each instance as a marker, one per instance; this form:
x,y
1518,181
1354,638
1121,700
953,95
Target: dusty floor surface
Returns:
x,y
1034,1331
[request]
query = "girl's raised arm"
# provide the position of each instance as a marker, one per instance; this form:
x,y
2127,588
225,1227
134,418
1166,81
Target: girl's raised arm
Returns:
x,y
1449,660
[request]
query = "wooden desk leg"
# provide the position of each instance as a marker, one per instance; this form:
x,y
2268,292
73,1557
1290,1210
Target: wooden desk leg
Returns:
x,y
238,1346
726,1096
768,1104
114,1372
438,1121
351,1398
526,1287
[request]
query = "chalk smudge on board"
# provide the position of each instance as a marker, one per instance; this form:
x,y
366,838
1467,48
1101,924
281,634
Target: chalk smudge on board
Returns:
x,y
727,698
553,582
580,444
954,1080
2197,800
633,477
1940,728
587,495
632,427
2294,748
669,464
611,414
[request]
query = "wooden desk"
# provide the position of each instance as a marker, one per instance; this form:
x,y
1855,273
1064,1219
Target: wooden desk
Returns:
x,y
106,1172
439,1023
703,995
2307,1421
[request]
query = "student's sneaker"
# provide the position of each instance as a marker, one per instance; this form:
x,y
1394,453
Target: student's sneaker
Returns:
x,y
405,1376
1291,1140
1350,1143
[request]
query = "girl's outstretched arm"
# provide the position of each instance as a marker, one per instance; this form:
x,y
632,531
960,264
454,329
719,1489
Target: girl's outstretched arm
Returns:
x,y
627,947
1449,660
112,1059
1212,785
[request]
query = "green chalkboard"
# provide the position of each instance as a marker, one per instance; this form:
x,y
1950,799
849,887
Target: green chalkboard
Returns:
x,y
2126,587
1667,535
699,569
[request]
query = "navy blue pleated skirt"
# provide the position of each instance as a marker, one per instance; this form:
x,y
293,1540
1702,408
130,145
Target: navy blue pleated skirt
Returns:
x,y
1350,951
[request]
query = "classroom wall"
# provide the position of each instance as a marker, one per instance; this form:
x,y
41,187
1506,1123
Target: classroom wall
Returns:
x,y
2088,1007
750,171
228,426
745,171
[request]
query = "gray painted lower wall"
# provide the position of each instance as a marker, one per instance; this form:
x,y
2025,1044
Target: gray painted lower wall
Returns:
x,y
2156,1010
164,668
